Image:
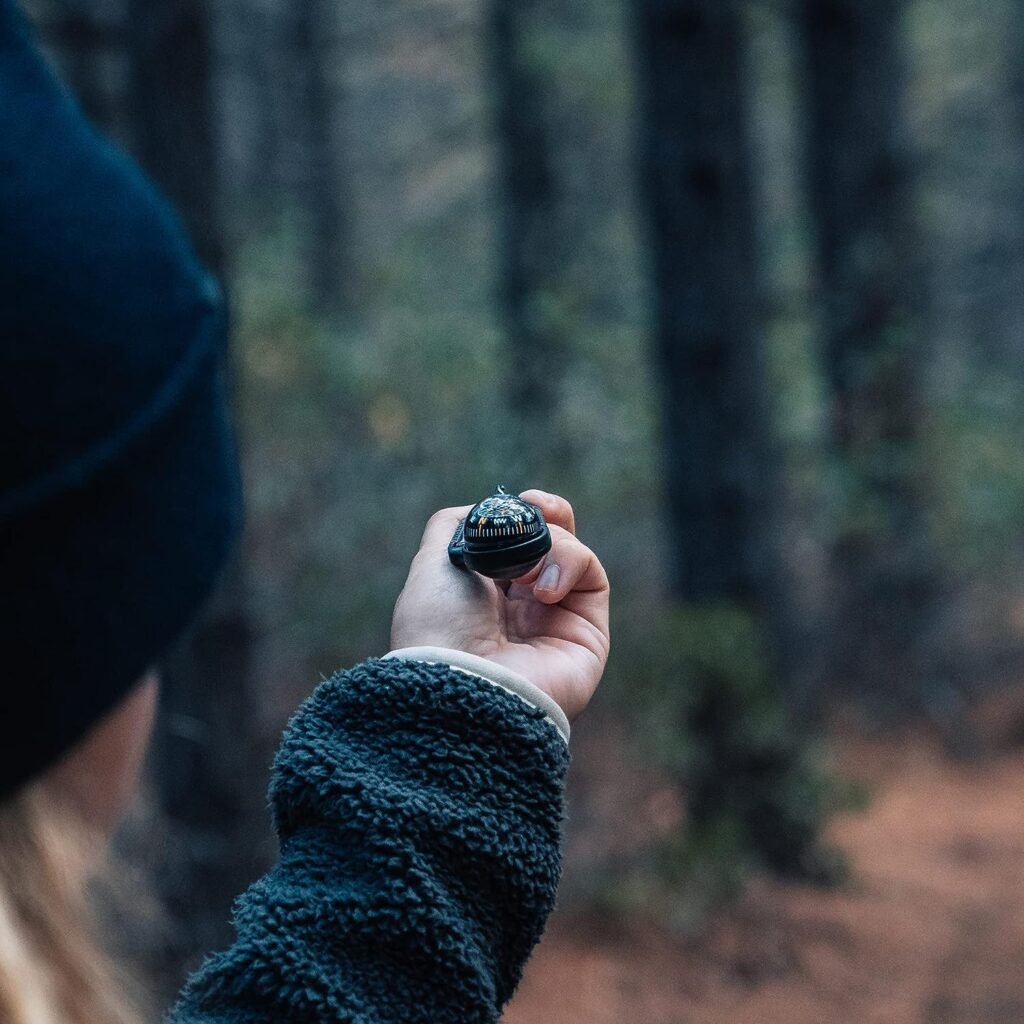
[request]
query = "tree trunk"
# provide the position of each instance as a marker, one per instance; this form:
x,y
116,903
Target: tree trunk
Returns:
x,y
316,32
208,775
530,249
84,41
172,112
1015,315
697,178
859,169
752,791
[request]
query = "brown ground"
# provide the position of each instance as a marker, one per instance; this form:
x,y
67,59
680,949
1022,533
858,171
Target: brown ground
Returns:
x,y
930,931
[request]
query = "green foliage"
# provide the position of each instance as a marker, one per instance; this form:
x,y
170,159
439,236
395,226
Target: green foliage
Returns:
x,y
711,711
979,464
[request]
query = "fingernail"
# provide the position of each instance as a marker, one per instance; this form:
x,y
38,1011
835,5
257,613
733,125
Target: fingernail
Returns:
x,y
548,578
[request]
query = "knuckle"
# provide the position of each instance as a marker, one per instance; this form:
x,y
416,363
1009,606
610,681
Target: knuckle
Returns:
x,y
561,503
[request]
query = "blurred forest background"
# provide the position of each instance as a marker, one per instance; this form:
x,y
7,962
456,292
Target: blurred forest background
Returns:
x,y
744,282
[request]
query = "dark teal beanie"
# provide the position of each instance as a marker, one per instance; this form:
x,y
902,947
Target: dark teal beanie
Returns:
x,y
119,493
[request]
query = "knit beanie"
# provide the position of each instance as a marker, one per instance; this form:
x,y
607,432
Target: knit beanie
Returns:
x,y
119,494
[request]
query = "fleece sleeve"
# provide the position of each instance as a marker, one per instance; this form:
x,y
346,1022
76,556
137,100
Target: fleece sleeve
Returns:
x,y
418,810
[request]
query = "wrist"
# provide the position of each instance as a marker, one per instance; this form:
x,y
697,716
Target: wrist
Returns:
x,y
493,673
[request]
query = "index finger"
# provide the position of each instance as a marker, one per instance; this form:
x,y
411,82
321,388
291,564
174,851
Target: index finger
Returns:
x,y
441,526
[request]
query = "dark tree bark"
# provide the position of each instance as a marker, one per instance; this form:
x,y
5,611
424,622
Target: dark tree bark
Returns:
x,y
208,776
859,170
172,112
317,51
751,776
530,251
210,773
1015,316
697,179
85,41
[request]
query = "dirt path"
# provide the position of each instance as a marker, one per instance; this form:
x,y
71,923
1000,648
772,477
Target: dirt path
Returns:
x,y
931,931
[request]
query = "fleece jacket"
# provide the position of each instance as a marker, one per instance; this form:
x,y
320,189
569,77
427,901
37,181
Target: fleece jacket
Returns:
x,y
418,810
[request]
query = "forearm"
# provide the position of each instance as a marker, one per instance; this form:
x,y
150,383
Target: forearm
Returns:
x,y
419,811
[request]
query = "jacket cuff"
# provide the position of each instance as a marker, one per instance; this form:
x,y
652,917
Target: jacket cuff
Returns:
x,y
491,672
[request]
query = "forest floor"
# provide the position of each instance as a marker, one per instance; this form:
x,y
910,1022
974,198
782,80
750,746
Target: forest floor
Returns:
x,y
929,930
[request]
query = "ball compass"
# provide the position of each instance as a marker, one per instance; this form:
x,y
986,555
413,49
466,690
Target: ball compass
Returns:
x,y
503,537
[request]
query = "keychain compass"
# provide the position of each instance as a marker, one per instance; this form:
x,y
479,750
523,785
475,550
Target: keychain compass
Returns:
x,y
503,537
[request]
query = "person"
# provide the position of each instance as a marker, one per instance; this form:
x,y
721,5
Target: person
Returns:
x,y
417,797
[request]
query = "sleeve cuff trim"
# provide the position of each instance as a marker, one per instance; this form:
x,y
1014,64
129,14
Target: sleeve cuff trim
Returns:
x,y
491,672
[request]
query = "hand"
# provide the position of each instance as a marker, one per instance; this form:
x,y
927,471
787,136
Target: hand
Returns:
x,y
550,626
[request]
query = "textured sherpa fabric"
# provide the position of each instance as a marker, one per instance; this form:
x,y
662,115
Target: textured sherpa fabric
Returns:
x,y
119,491
419,812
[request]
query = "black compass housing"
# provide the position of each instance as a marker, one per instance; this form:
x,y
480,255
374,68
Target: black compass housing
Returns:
x,y
503,537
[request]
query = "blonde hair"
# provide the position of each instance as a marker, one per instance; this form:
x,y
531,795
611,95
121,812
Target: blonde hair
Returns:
x,y
52,969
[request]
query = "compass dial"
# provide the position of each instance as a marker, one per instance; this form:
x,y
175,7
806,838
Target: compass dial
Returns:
x,y
503,516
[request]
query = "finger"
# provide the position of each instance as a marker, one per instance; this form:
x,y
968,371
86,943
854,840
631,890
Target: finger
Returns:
x,y
528,579
569,567
441,526
555,508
